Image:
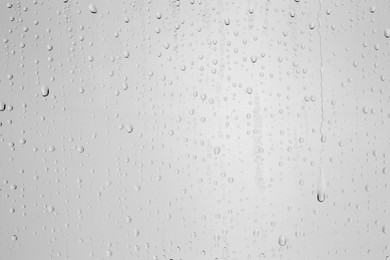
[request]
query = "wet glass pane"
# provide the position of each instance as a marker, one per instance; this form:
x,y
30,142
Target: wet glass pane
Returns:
x,y
194,129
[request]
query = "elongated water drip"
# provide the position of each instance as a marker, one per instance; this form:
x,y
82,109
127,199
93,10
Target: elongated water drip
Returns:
x,y
321,180
321,187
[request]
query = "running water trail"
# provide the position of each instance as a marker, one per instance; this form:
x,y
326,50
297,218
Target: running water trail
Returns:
x,y
321,180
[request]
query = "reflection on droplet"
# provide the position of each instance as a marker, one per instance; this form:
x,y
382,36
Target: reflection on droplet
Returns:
x,y
321,187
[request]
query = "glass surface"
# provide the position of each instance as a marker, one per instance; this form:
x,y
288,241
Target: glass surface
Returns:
x,y
194,129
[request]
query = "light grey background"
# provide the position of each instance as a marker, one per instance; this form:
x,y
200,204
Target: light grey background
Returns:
x,y
192,129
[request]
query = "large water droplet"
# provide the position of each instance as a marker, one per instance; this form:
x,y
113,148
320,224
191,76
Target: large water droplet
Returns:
x,y
45,91
92,8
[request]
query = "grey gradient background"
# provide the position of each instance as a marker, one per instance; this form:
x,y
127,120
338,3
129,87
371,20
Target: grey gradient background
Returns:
x,y
191,129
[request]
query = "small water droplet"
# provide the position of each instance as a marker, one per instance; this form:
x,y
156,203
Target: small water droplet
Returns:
x,y
387,33
385,229
80,148
129,128
282,240
253,58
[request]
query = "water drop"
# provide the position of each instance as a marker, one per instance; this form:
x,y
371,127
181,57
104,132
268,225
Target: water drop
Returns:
x,y
80,148
321,187
52,148
129,128
253,58
92,8
385,229
282,240
45,91
387,33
